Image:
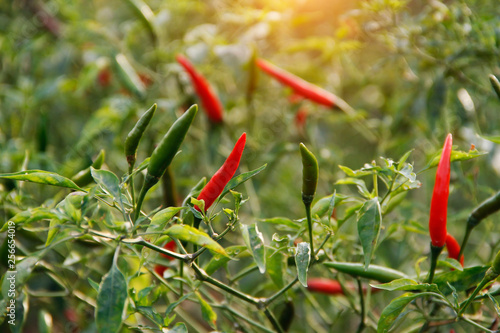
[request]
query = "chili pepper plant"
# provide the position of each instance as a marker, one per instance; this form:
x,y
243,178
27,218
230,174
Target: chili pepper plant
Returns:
x,y
377,214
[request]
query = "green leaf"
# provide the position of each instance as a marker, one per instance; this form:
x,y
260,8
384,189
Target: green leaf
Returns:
x,y
173,305
369,220
218,260
150,312
460,280
108,182
302,259
111,301
53,230
394,309
254,240
456,155
128,76
240,179
406,285
164,216
281,221
187,233
355,173
492,138
24,269
451,263
275,267
41,177
360,184
495,303
93,284
324,205
178,328
207,312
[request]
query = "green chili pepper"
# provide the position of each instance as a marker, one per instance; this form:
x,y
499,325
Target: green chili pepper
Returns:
x,y
164,153
309,174
135,135
485,209
84,177
495,84
373,272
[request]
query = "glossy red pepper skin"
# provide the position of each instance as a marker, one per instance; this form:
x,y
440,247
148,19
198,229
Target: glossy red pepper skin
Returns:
x,y
216,184
211,103
439,202
299,86
453,248
325,286
171,246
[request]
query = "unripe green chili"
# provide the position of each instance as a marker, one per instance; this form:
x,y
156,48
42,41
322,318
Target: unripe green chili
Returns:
x,y
309,174
310,171
135,135
164,153
495,84
373,272
485,209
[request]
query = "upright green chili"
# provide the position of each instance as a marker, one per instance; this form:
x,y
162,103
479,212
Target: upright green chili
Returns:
x,y
135,135
485,209
310,171
164,153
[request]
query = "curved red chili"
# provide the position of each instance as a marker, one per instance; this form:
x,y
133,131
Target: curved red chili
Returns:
x,y
171,246
209,100
216,184
453,248
439,202
300,86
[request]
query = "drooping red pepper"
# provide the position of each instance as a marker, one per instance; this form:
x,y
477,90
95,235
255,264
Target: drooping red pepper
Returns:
x,y
211,103
439,202
160,268
325,286
453,248
216,184
299,86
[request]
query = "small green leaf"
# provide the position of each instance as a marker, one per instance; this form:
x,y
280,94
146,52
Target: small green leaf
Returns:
x,y
240,179
456,155
173,305
281,221
150,312
275,267
492,138
218,260
254,240
108,182
165,215
355,173
394,309
451,263
360,184
369,220
111,301
302,259
207,312
187,233
53,230
93,284
406,285
495,303
41,177
325,204
178,328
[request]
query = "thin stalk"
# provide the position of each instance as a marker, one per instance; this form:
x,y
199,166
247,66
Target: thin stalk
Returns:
x,y
245,318
468,230
242,274
488,277
375,185
273,320
473,323
202,275
309,226
280,292
181,274
148,183
131,184
435,251
361,326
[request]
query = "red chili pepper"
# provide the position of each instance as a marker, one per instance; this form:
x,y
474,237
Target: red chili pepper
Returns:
x,y
216,184
439,202
300,86
300,118
325,286
211,104
104,77
159,269
453,248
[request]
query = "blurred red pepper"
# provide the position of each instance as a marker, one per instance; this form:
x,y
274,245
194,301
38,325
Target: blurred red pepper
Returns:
x,y
325,286
300,86
104,77
171,246
209,100
439,202
453,248
216,184
300,118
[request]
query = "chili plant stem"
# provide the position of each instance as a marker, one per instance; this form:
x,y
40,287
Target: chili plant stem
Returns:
x,y
243,273
131,184
468,230
148,183
473,323
245,318
488,277
309,226
280,292
435,251
361,326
